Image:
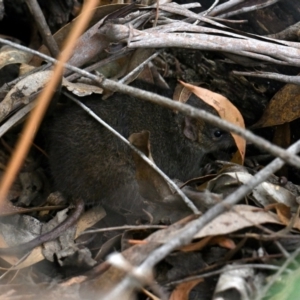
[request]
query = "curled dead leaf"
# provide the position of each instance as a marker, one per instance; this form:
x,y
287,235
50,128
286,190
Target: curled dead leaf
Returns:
x,y
183,290
241,217
24,92
285,216
152,185
81,89
284,107
10,55
226,110
181,94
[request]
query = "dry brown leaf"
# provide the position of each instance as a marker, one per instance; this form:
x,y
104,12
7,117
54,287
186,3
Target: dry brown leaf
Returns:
x,y
285,215
284,107
137,242
284,209
283,212
240,217
181,93
81,89
226,110
223,241
89,219
151,184
197,245
183,290
236,158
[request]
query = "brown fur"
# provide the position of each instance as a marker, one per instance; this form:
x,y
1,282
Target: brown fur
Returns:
x,y
89,162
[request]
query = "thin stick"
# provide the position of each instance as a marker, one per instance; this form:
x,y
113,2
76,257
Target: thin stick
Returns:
x,y
248,9
269,75
124,227
207,12
43,27
224,7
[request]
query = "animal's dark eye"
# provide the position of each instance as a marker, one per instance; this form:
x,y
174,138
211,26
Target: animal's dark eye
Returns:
x,y
218,133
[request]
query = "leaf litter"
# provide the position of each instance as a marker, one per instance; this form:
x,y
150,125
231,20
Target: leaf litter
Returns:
x,y
269,209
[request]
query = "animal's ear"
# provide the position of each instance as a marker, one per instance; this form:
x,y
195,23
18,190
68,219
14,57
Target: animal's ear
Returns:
x,y
189,128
